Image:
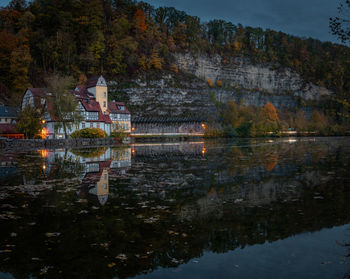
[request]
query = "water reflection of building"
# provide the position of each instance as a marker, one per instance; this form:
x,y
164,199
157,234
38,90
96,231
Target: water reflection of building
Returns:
x,y
97,166
95,184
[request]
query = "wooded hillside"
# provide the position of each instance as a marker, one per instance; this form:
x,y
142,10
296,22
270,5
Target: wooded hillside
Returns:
x,y
124,38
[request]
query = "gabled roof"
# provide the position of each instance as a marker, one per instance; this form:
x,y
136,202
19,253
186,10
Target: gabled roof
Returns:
x,y
90,104
115,107
38,92
93,106
8,111
81,92
94,81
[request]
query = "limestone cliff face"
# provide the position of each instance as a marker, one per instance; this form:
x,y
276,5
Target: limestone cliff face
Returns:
x,y
241,73
245,83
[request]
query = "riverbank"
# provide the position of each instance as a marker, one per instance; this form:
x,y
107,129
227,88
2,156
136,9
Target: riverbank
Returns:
x,y
29,144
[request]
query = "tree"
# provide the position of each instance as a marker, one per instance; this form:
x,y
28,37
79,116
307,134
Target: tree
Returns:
x,y
340,26
65,105
140,21
29,122
270,112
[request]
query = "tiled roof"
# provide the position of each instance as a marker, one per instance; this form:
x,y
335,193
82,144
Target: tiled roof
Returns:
x,y
38,92
94,177
90,104
82,92
115,107
8,111
92,82
7,129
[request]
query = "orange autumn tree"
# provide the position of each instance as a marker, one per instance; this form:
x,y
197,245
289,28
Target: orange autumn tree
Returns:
x,y
270,112
140,20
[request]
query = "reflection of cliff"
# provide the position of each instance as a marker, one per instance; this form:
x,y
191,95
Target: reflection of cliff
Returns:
x,y
169,211
167,151
245,173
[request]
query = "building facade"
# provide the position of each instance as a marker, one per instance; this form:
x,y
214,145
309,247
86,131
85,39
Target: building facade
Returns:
x,y
8,120
93,102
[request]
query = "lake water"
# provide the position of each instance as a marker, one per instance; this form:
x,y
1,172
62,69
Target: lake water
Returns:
x,y
261,208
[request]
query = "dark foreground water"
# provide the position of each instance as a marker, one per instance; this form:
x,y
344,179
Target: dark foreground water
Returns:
x,y
239,209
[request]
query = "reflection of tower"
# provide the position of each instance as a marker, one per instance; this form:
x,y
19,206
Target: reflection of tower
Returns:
x,y
101,188
95,185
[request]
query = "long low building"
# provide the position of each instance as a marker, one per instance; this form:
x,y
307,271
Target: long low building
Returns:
x,y
94,106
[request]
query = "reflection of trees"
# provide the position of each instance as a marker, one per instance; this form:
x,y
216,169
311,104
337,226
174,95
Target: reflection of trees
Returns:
x,y
65,167
95,238
89,152
142,218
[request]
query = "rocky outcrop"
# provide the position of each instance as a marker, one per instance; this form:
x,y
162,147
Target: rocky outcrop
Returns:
x,y
241,73
188,93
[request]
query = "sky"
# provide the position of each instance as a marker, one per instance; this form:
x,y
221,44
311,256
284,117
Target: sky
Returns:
x,y
304,18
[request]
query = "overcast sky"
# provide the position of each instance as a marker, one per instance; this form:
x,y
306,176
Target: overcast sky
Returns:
x,y
305,18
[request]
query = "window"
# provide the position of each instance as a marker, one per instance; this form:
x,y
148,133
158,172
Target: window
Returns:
x,y
98,125
127,126
5,120
104,94
92,115
104,104
83,125
91,125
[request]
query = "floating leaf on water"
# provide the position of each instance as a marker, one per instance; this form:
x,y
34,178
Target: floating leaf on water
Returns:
x,y
111,265
82,200
45,269
83,212
53,234
8,206
121,257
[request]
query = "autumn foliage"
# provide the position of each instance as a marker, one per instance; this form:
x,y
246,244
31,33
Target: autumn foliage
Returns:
x,y
270,112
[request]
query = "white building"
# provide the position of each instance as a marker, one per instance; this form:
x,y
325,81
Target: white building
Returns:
x,y
93,103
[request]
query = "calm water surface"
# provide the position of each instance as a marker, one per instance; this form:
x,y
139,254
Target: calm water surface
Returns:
x,y
230,209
